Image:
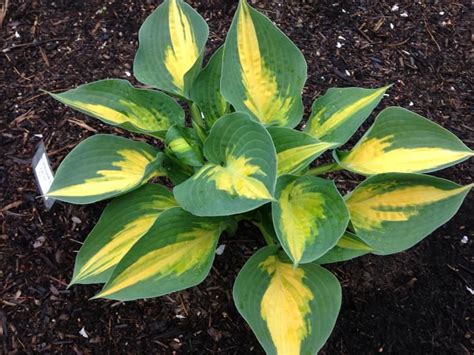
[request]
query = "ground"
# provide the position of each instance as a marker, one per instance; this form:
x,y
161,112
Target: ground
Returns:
x,y
415,302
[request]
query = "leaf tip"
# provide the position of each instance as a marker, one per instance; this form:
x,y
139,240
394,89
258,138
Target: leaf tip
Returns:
x,y
72,283
97,296
49,194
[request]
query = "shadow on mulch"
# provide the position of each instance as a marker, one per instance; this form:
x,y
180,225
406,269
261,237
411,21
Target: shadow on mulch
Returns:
x,y
415,302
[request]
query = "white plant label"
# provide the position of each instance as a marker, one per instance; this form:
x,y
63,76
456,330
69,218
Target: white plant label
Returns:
x,y
43,173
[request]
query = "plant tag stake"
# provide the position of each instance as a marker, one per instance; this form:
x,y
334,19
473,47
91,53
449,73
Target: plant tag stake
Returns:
x,y
43,174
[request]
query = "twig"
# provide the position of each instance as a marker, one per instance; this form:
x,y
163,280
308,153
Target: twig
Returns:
x,y
33,44
3,12
57,151
466,283
431,34
11,205
22,117
58,281
39,95
363,34
399,43
82,124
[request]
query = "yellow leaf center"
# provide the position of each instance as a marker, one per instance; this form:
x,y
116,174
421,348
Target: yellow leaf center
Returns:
x,y
285,305
236,178
120,243
263,98
142,118
190,249
374,156
321,125
300,210
291,159
183,53
371,206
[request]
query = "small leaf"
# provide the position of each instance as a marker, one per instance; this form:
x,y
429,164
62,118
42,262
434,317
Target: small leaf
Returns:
x,y
263,72
348,247
123,222
295,149
291,310
309,216
241,172
206,90
104,166
172,41
118,103
402,141
392,212
184,145
337,115
176,253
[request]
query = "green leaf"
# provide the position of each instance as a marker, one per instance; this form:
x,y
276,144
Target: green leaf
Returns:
x,y
104,166
337,115
295,149
183,143
172,41
176,253
241,172
291,310
348,247
309,216
118,103
263,72
206,90
123,222
392,212
402,141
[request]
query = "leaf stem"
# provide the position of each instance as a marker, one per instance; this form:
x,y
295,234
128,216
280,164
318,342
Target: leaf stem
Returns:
x,y
196,114
198,123
323,169
268,238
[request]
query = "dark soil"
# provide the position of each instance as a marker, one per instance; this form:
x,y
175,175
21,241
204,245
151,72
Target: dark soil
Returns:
x,y
411,303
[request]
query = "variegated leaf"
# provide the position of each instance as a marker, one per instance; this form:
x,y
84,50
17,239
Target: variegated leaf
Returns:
x,y
309,216
291,310
241,170
172,41
263,72
295,149
104,166
392,212
176,253
123,222
405,142
348,247
337,115
183,143
206,90
118,103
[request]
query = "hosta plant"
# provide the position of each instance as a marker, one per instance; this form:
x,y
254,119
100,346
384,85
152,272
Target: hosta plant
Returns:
x,y
239,157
